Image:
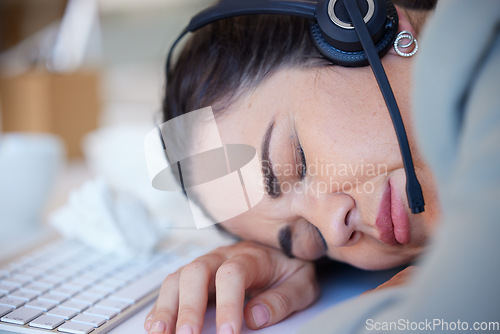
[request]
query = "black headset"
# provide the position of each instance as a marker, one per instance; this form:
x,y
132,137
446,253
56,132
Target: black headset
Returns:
x,y
347,32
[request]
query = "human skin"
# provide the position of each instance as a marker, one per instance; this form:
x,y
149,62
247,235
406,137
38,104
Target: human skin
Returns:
x,y
340,119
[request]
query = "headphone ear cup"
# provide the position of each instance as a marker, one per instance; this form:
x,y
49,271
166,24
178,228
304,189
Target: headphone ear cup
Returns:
x,y
357,58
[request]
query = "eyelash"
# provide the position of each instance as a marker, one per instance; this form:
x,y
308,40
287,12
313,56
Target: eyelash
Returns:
x,y
303,166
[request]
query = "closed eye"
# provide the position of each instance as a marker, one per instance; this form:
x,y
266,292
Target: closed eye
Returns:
x,y
302,167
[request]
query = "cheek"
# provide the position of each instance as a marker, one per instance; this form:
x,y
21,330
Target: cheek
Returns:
x,y
350,150
252,226
351,126
237,226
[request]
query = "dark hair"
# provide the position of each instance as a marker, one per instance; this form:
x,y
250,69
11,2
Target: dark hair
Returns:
x,y
228,57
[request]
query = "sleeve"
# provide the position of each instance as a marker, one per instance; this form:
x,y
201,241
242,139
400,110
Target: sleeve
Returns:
x,y
457,111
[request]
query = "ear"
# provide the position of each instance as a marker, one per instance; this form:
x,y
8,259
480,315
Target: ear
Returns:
x,y
404,25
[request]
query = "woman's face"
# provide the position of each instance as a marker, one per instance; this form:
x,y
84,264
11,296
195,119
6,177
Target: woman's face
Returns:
x,y
332,167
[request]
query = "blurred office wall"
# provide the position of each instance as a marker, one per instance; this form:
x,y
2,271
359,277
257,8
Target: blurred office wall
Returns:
x,y
117,76
117,86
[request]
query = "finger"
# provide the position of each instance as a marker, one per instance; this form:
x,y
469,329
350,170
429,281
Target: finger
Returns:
x,y
232,279
230,297
149,318
400,278
271,306
196,282
165,312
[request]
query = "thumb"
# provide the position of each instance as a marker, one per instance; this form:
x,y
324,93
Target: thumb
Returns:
x,y
400,278
294,294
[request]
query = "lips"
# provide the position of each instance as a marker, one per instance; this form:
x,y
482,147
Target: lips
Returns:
x,y
392,219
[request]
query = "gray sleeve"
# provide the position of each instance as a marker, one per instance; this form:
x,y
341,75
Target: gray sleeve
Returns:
x,y
458,122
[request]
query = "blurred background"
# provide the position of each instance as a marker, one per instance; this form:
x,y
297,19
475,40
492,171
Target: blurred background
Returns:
x,y
80,86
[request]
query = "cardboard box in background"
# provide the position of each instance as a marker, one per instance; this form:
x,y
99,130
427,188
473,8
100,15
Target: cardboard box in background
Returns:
x,y
67,105
20,19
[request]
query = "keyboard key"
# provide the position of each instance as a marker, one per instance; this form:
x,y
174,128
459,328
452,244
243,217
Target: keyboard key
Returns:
x,y
140,288
86,299
76,328
56,280
76,267
47,283
41,305
35,288
113,282
46,322
100,312
95,292
11,282
74,285
128,275
112,305
104,288
21,316
69,304
71,287
80,281
63,272
33,272
50,297
44,266
17,280
62,313
4,310
63,292
89,320
24,295
92,276
4,288
82,264
11,302
103,269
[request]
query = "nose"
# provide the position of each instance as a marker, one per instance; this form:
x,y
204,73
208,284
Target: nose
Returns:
x,y
330,213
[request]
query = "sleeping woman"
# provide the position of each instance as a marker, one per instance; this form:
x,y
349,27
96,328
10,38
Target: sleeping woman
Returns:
x,y
331,166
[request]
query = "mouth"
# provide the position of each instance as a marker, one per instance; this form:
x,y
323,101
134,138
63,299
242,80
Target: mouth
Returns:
x,y
392,219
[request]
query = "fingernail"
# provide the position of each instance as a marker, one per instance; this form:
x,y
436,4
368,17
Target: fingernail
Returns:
x,y
158,327
260,315
148,322
185,329
226,329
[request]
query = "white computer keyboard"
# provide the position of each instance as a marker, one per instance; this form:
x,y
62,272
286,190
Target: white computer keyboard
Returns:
x,y
66,287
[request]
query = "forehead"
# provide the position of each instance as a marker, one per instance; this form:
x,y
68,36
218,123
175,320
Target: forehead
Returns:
x,y
246,120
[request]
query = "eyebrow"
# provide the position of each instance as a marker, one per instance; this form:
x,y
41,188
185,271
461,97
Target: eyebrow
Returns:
x,y
270,180
285,240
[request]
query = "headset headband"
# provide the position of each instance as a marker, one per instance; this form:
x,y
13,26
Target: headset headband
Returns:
x,y
227,9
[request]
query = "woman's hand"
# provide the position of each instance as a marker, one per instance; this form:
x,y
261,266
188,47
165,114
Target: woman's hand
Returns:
x,y
276,284
400,278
